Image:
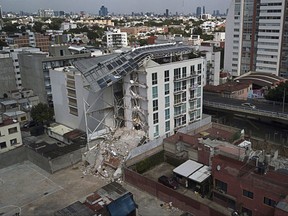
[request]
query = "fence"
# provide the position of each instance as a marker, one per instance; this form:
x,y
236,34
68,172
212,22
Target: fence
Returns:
x,y
178,200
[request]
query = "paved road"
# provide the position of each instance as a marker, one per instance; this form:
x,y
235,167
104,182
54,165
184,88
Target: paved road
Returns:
x,y
259,105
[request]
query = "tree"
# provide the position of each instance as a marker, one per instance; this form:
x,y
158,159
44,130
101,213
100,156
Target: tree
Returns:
x,y
277,94
42,113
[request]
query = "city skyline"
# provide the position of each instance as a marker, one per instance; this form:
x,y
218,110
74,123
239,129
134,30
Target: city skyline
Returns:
x,y
183,6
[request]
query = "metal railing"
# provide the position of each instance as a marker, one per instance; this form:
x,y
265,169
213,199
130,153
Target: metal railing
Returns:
x,y
259,112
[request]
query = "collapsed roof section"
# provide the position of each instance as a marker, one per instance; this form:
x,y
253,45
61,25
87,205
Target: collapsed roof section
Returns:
x,y
104,71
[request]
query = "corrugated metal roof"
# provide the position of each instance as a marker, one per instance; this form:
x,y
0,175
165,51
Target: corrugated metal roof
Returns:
x,y
200,175
187,168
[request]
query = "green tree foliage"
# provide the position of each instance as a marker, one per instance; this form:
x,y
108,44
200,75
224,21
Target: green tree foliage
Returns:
x,y
56,23
277,94
42,113
10,28
143,42
38,27
197,31
206,37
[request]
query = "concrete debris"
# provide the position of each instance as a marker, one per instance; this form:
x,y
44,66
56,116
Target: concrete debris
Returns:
x,y
118,173
106,156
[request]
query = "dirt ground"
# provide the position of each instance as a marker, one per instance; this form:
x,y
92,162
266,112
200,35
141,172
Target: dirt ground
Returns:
x,y
29,190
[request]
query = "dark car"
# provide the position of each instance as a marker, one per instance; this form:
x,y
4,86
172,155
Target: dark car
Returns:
x,y
169,182
30,124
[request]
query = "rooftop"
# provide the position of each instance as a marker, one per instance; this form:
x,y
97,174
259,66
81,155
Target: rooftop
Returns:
x,y
54,150
227,87
187,168
260,78
104,71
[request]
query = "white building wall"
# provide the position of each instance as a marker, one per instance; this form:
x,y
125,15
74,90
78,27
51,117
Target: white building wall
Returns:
x,y
271,20
230,48
62,108
117,39
11,139
190,111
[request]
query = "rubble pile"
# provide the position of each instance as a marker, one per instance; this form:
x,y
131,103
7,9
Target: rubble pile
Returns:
x,y
107,153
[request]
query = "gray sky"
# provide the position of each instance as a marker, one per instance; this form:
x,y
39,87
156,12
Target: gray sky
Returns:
x,y
116,6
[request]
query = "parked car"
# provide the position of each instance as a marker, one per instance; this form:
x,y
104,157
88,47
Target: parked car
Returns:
x,y
249,105
30,124
169,182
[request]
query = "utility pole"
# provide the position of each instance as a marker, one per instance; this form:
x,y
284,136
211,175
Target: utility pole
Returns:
x,y
284,97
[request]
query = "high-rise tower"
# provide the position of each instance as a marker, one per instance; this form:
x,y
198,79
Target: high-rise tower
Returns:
x,y
256,37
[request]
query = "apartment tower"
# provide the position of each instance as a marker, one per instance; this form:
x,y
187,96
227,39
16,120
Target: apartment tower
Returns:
x,y
256,37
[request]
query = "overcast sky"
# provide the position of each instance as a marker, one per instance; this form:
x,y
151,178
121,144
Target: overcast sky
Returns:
x,y
116,6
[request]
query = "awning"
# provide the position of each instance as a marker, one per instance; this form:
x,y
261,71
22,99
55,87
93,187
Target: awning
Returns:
x,y
200,175
187,168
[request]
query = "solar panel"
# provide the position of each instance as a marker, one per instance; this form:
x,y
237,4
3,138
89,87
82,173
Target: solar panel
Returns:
x,y
103,71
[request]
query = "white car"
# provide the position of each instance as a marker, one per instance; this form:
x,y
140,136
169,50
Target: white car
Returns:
x,y
249,105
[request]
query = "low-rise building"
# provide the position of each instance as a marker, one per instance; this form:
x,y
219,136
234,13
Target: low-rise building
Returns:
x,y
10,135
250,187
234,90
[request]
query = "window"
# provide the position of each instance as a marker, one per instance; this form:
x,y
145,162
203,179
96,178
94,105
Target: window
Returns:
x,y
23,118
13,142
167,101
177,86
184,83
177,99
177,73
3,145
167,126
269,202
248,194
246,212
192,68
221,185
154,78
199,68
167,88
154,92
155,118
156,130
166,74
167,114
184,98
12,130
184,72
73,111
155,105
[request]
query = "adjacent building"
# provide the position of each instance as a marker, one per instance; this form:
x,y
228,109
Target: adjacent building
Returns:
x,y
7,76
256,37
251,188
10,135
36,76
116,39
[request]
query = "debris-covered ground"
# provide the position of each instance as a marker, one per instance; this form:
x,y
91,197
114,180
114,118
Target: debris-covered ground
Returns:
x,y
107,153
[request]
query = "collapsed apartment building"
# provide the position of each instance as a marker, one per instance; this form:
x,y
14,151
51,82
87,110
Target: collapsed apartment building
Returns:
x,y
157,89
151,91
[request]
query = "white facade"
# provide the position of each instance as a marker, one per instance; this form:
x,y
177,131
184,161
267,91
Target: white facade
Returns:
x,y
69,96
10,135
164,98
117,39
213,65
219,36
254,36
271,20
